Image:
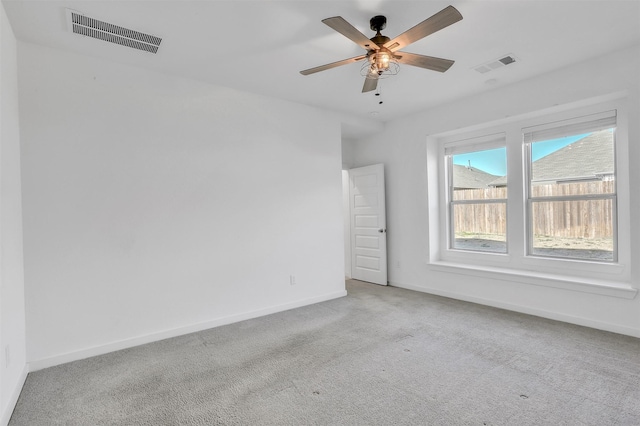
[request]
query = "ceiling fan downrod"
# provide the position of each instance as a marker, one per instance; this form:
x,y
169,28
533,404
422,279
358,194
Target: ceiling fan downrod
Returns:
x,y
377,24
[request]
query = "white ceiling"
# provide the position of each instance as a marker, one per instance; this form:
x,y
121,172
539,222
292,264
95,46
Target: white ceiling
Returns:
x,y
260,46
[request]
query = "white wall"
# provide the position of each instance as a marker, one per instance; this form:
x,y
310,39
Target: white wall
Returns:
x,y
346,214
347,163
402,148
12,314
347,153
155,206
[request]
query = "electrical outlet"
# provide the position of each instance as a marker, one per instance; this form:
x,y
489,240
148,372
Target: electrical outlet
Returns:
x,y
397,264
292,279
7,356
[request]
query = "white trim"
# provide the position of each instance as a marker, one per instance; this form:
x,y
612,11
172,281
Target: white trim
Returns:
x,y
568,127
585,322
13,398
475,143
166,334
585,285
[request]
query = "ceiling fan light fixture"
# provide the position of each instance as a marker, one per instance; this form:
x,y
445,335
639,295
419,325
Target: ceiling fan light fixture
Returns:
x,y
380,64
380,60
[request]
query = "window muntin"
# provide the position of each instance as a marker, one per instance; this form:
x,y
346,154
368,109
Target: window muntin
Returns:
x,y
571,190
478,200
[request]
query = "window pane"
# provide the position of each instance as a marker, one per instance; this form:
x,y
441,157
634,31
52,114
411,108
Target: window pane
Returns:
x,y
480,175
575,165
573,229
480,227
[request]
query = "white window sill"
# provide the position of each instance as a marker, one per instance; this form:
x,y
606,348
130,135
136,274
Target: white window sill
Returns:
x,y
586,285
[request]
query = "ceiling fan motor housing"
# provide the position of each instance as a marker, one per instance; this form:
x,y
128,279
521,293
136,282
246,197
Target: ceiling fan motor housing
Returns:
x,y
379,39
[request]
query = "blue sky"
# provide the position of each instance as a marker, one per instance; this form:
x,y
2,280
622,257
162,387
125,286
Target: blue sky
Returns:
x,y
494,161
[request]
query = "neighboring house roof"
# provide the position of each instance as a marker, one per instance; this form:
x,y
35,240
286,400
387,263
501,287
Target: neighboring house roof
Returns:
x,y
465,177
589,158
501,181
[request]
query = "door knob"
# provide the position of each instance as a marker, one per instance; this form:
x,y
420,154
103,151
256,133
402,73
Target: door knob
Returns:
x,y
381,230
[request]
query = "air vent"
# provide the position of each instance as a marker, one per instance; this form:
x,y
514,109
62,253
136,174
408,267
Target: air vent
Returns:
x,y
90,27
495,64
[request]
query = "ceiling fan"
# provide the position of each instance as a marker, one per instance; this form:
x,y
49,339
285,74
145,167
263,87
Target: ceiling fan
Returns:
x,y
383,52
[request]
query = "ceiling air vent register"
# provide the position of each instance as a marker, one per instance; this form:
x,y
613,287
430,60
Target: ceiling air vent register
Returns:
x,y
495,64
90,27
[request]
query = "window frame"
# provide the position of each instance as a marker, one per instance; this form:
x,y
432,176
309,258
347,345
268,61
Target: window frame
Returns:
x,y
481,143
609,278
528,181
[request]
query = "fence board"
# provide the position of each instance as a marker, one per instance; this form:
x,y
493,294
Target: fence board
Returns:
x,y
573,219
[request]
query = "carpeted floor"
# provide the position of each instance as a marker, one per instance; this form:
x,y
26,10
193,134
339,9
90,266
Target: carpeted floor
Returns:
x,y
380,356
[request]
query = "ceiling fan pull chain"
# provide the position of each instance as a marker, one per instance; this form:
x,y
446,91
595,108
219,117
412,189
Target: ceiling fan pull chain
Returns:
x,y
378,94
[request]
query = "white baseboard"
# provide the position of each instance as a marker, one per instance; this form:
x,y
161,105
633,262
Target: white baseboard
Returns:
x,y
7,410
166,334
586,322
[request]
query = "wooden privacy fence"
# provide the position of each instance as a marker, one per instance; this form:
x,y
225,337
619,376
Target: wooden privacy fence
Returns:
x,y
570,219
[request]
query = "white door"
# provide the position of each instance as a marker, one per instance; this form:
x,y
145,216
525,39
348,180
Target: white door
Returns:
x,y
368,224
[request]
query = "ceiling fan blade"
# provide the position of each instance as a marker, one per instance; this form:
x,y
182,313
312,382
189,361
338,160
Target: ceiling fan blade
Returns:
x,y
332,65
370,84
447,16
339,24
428,62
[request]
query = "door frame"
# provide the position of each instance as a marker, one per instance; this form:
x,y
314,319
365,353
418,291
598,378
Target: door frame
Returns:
x,y
350,228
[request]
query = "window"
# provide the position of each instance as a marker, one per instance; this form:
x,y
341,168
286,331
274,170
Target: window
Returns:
x,y
560,215
477,194
571,189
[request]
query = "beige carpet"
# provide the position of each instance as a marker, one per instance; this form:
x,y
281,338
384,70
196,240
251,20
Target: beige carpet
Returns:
x,y
380,356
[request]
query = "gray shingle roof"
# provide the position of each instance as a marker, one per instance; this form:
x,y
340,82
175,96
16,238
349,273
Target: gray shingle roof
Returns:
x,y
588,158
501,181
591,157
469,177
